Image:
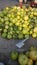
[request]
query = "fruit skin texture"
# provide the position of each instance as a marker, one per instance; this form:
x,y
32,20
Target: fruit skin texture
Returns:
x,y
30,62
27,58
34,35
4,35
22,59
16,22
33,55
32,48
14,55
36,63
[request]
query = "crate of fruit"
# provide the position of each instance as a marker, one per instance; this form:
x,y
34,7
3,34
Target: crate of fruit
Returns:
x,y
17,24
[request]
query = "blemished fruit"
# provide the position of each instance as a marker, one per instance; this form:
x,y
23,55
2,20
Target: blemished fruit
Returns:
x,y
16,22
23,60
28,57
33,55
30,62
14,55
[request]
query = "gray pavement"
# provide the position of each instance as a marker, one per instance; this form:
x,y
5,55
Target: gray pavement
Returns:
x,y
4,3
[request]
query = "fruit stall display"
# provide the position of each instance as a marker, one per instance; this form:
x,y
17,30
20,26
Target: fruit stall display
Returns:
x,y
25,58
18,23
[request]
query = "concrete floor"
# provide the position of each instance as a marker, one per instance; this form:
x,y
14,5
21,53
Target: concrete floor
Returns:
x,y
4,3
